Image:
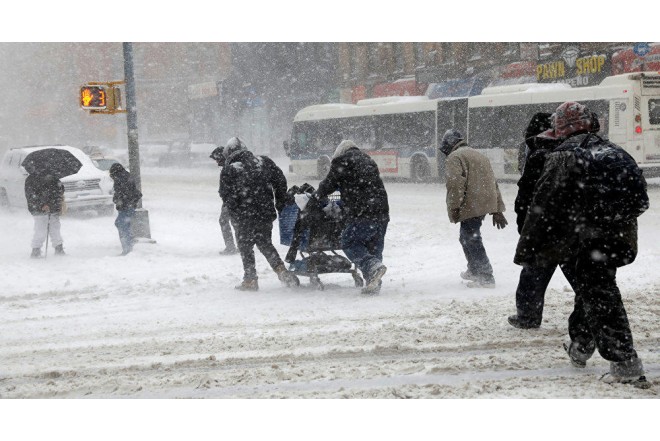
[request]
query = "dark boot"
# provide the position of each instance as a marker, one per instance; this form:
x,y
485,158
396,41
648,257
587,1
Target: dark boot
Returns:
x,y
515,321
36,253
286,277
59,250
579,354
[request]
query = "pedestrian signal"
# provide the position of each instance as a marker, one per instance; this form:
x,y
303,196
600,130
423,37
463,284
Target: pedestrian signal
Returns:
x,y
93,97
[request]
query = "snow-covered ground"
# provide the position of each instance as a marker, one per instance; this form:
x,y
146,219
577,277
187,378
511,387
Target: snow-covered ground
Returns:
x,y
165,321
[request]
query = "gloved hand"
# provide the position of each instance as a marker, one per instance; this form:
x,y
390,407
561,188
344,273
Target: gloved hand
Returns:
x,y
499,220
301,200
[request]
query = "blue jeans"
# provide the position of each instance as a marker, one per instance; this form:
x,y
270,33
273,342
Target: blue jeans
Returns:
x,y
363,241
123,224
473,247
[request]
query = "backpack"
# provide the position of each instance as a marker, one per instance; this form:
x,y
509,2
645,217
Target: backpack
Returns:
x,y
614,185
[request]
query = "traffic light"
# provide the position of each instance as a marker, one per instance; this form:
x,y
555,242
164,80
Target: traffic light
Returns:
x,y
94,97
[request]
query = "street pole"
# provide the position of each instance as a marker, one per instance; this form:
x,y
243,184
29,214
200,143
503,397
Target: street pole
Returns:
x,y
141,220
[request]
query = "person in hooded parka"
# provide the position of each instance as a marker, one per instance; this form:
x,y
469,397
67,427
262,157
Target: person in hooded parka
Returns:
x,y
253,188
530,293
218,155
560,227
355,175
45,201
126,198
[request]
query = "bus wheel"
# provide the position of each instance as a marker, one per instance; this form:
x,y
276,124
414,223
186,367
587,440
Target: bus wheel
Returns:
x,y
419,170
323,167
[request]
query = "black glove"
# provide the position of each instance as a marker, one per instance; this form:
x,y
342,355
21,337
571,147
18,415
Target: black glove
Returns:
x,y
499,220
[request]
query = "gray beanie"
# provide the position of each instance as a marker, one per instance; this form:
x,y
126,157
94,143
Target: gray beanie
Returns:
x,y
234,145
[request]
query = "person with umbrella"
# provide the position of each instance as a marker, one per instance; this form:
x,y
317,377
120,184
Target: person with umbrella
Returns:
x,y
45,194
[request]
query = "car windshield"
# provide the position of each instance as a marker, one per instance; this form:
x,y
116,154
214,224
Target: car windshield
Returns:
x,y
104,164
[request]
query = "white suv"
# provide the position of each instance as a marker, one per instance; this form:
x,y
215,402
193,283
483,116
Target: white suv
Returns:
x,y
90,188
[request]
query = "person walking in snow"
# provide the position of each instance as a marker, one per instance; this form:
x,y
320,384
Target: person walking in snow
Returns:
x,y
45,201
534,280
355,174
218,156
472,192
567,224
126,198
253,188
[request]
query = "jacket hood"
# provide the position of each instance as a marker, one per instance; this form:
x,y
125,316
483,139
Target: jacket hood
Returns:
x,y
234,145
343,147
117,170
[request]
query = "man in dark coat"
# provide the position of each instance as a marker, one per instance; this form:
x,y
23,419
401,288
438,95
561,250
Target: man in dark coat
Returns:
x,y
45,201
559,229
126,198
530,294
253,188
218,155
356,176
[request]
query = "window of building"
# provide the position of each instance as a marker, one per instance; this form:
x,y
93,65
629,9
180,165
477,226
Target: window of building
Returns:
x,y
373,58
399,59
419,54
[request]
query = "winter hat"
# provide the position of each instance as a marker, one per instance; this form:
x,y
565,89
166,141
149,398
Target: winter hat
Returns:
x,y
217,153
234,145
539,123
569,119
450,139
343,147
116,169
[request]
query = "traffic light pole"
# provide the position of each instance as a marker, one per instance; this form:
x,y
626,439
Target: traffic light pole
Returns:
x,y
141,220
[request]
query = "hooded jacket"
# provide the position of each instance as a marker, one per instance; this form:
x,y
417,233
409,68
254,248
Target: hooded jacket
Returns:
x,y
557,225
126,195
472,190
356,176
43,190
252,187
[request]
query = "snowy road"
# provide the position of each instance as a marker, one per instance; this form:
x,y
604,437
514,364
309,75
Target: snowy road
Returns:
x,y
165,321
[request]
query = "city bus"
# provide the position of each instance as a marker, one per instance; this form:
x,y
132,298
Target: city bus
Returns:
x,y
402,134
627,105
399,133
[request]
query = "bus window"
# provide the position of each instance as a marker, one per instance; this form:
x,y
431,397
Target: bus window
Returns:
x,y
414,130
654,111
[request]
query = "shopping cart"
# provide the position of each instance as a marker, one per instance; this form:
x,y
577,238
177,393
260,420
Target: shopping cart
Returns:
x,y
311,233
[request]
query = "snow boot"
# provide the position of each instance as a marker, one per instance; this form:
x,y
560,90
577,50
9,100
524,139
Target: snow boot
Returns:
x,y
248,285
515,321
579,354
286,277
468,275
482,282
374,282
627,372
59,250
229,251
36,253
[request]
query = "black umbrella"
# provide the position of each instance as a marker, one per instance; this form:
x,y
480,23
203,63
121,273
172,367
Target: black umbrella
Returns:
x,y
52,161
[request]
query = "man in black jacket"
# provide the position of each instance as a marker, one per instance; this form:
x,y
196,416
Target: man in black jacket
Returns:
x,y
355,175
560,228
218,155
45,200
126,198
253,188
530,294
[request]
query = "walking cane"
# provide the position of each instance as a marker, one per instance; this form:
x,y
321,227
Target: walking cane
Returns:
x,y
47,234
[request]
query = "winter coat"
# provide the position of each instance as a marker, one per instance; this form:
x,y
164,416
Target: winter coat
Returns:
x,y
531,173
471,187
43,190
126,195
558,225
355,174
252,188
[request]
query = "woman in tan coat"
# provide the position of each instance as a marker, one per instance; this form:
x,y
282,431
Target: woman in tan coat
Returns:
x,y
472,192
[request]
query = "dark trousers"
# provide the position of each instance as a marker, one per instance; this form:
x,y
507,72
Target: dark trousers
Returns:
x,y
123,224
473,247
260,234
530,294
225,227
363,242
599,314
